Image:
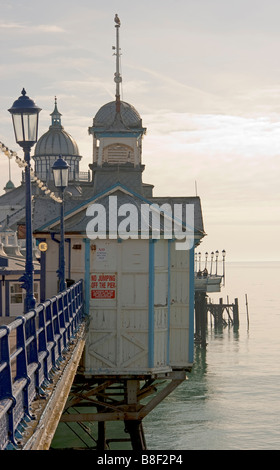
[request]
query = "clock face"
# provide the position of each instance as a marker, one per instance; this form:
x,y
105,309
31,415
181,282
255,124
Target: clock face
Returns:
x,y
43,246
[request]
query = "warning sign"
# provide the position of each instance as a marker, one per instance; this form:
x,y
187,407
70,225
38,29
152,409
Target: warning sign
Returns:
x,y
103,286
101,254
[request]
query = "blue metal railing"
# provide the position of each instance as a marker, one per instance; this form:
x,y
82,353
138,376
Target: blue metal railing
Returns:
x,y
31,349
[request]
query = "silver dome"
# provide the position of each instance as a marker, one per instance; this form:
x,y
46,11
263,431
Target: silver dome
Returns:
x,y
56,142
106,117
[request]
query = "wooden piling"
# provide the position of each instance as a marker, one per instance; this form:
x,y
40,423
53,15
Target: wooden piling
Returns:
x,y
200,317
217,311
247,310
235,311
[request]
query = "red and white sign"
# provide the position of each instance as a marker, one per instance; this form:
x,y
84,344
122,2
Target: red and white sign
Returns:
x,y
103,286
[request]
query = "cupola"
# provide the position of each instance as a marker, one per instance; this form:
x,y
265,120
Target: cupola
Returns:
x,y
117,127
54,143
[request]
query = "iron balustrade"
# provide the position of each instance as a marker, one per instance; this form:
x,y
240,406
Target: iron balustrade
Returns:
x,y
31,349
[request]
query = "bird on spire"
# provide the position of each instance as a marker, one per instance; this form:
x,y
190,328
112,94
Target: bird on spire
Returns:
x,y
117,20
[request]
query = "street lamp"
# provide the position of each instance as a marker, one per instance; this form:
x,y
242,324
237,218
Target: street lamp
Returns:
x,y
25,115
60,174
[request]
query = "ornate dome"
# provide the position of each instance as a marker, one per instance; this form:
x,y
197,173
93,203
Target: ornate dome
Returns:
x,y
56,141
108,117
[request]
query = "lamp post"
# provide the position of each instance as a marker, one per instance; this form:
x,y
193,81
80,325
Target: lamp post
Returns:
x,y
224,271
25,115
199,262
211,263
60,174
217,256
206,258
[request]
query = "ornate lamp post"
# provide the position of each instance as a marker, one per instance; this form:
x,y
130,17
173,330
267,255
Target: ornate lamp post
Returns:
x,y
60,173
25,115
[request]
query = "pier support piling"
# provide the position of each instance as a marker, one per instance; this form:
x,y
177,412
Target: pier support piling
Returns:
x,y
136,432
235,310
118,399
200,317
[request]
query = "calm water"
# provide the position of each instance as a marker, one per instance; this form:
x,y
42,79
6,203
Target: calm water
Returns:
x,y
232,397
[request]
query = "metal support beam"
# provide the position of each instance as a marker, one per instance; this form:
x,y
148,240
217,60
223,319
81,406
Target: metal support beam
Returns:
x,y
119,399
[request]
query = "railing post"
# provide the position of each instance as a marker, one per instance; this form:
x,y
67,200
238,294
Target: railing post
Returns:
x,y
21,362
42,341
50,331
32,346
6,388
61,318
56,328
66,317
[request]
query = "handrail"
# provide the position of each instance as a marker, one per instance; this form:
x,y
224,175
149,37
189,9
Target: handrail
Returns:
x,y
31,349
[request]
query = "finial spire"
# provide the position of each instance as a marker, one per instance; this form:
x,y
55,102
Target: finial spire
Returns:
x,y
117,78
56,115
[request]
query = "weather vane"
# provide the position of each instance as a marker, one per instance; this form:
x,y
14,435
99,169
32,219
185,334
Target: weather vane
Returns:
x,y
117,75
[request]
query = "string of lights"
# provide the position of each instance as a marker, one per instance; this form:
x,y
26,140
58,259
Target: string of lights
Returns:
x,y
22,164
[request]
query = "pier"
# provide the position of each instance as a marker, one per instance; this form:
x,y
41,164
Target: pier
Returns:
x,y
209,280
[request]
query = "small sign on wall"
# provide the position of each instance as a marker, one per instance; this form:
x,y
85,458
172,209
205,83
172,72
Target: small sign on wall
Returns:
x,y
103,286
101,254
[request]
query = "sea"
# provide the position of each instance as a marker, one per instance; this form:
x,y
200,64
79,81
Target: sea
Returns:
x,y
231,399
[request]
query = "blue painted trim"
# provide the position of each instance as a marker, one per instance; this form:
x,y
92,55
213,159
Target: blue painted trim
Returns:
x,y
151,336
191,305
101,134
168,302
87,274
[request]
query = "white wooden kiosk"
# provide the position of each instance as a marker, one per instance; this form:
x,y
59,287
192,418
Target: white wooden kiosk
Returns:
x,y
140,308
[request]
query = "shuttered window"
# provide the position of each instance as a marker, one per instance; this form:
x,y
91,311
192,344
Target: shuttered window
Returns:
x,y
118,154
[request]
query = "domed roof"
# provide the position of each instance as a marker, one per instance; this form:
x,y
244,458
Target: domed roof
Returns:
x,y
108,117
56,141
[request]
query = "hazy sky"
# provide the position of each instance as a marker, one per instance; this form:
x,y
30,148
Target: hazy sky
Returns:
x,y
203,74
